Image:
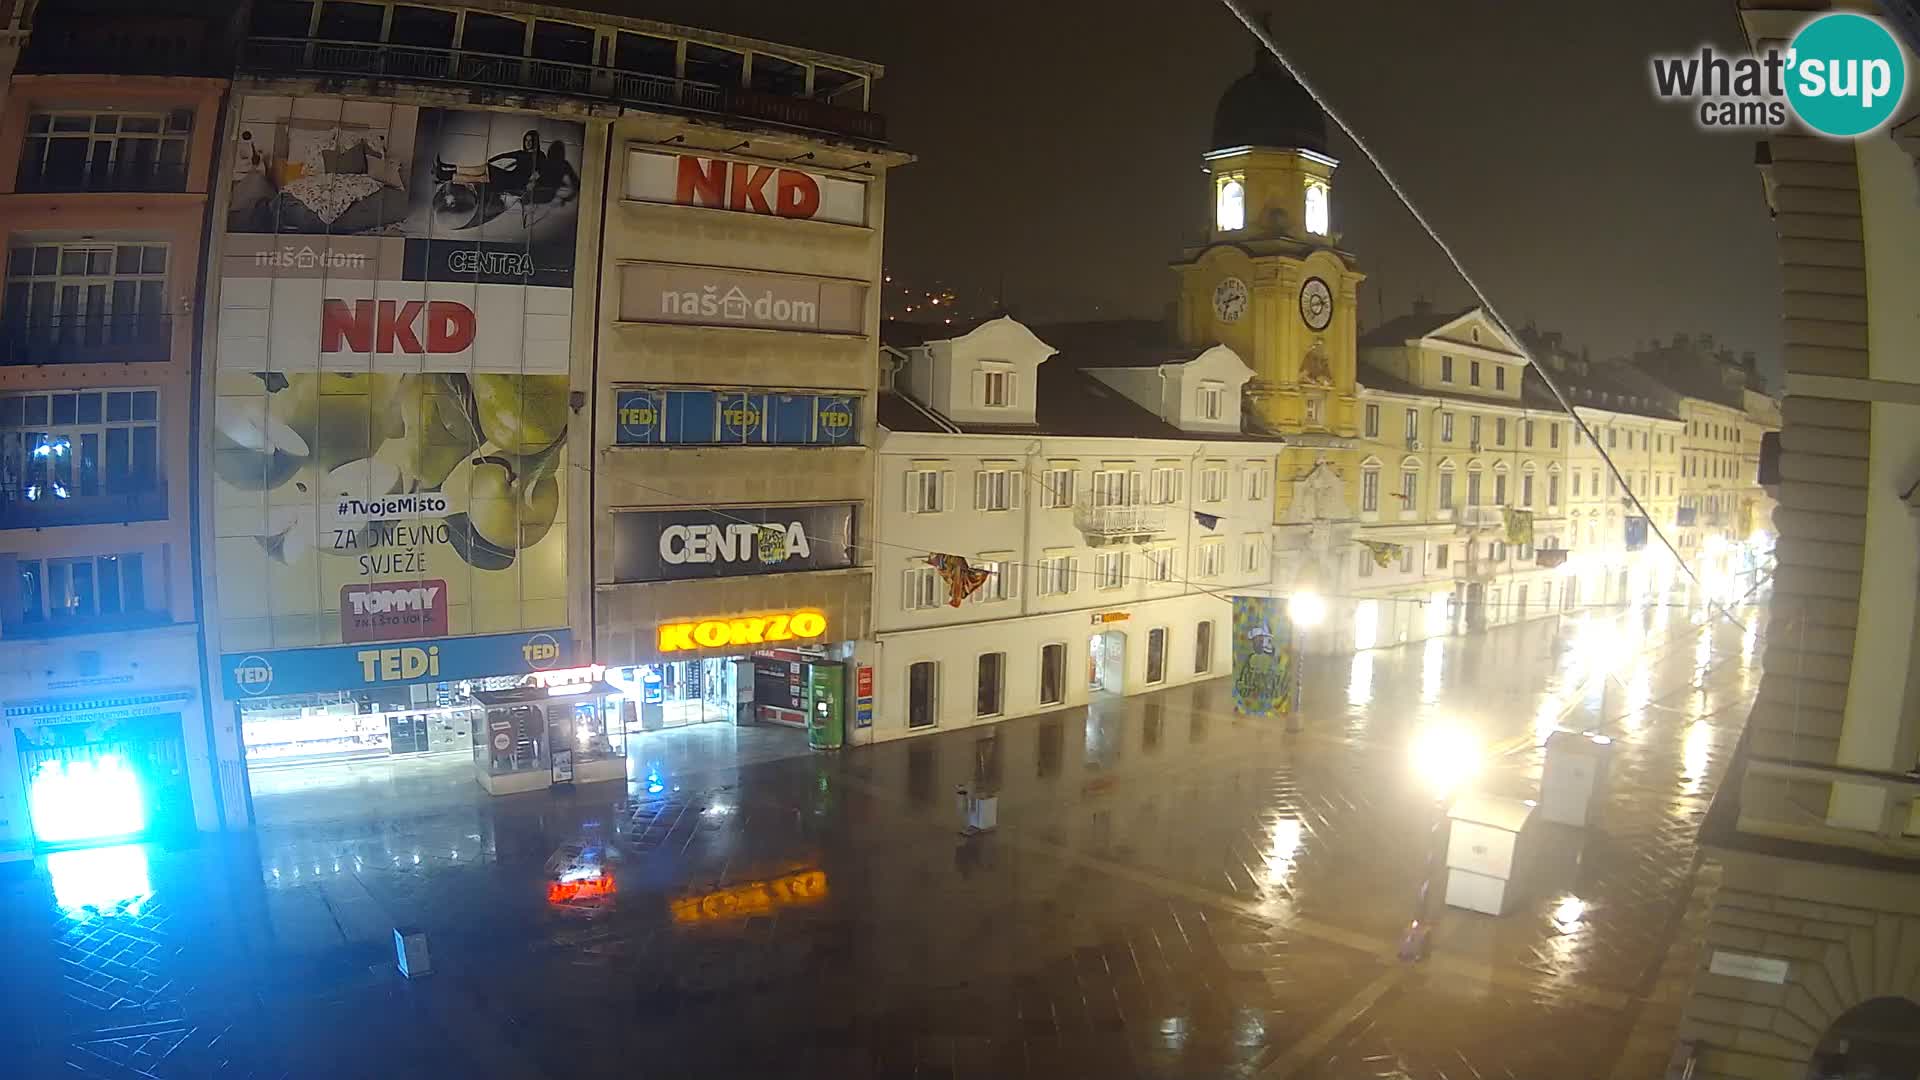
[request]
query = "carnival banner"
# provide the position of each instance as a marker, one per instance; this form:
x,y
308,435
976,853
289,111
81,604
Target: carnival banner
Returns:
x,y
1265,662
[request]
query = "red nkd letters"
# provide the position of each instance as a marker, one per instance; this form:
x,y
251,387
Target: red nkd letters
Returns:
x,y
736,185
396,326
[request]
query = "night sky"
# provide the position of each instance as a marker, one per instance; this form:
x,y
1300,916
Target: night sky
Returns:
x,y
1059,145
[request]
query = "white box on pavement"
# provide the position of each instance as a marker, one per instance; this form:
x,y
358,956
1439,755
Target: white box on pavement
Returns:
x,y
1483,839
1574,780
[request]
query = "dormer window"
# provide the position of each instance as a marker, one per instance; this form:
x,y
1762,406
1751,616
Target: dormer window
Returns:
x,y
1316,209
1212,401
1230,205
996,386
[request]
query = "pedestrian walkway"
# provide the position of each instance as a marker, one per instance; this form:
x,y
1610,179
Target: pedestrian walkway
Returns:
x,y
1173,891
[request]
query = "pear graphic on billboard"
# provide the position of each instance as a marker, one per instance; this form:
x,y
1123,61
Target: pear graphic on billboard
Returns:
x,y
389,438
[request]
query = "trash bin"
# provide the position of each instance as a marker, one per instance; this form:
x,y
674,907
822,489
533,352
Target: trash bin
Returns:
x,y
1483,841
1573,783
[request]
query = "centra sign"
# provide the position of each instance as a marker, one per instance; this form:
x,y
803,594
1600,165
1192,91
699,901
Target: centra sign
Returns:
x,y
747,630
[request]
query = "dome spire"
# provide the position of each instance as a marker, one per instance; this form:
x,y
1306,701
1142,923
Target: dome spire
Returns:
x,y
1266,107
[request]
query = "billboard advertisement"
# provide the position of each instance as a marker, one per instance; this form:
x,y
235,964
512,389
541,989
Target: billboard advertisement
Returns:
x,y
674,545
392,373
1265,661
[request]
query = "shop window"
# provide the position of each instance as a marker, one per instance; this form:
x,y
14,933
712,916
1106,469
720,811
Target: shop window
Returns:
x,y
1203,647
1053,673
1156,655
922,686
990,692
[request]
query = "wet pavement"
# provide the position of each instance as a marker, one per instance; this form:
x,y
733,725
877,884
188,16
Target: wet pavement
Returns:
x,y
1172,891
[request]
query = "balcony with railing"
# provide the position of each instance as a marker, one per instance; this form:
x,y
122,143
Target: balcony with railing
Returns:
x,y
281,56
38,177
1119,524
49,505
1478,517
86,339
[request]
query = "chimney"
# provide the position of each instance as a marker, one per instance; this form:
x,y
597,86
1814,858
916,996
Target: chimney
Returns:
x,y
1749,360
1423,307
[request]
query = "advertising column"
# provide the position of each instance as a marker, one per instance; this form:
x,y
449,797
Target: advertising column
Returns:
x,y
390,419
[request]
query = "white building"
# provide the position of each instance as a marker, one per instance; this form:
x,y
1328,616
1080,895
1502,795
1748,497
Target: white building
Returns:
x,y
1114,499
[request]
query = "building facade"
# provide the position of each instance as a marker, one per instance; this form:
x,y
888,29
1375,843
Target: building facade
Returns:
x,y
1807,967
107,163
507,296
1114,506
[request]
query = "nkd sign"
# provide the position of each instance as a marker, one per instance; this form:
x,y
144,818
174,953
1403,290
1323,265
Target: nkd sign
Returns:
x,y
744,187
711,296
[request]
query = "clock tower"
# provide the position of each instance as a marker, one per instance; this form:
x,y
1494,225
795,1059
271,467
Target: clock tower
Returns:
x,y
1270,282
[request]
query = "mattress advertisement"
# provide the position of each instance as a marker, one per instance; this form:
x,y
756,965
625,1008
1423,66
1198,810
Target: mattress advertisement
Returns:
x,y
390,425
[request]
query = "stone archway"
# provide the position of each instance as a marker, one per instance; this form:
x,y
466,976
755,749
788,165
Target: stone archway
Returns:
x,y
1878,1039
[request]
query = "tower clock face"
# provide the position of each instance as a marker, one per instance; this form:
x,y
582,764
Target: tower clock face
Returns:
x,y
1316,303
1230,299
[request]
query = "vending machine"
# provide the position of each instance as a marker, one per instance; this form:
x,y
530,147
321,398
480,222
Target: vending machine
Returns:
x,y
826,704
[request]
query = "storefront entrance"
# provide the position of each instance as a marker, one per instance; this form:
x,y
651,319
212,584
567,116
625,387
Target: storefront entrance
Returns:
x,y
1107,662
107,780
683,692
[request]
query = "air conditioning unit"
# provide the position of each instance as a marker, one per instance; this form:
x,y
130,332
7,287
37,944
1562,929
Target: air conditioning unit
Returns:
x,y
1473,448
1413,444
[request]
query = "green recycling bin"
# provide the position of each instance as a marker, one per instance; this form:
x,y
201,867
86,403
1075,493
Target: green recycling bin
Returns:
x,y
826,704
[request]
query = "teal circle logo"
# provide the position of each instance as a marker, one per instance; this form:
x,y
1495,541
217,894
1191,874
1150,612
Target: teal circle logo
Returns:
x,y
1845,75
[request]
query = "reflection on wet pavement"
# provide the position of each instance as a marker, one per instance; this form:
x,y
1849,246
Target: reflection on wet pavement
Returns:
x,y
1172,891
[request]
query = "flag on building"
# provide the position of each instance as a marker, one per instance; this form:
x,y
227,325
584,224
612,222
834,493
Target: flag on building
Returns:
x,y
1519,525
962,580
1207,521
1383,553
1550,557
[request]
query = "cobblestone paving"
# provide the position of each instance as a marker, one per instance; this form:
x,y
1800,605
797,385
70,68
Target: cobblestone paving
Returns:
x,y
1173,891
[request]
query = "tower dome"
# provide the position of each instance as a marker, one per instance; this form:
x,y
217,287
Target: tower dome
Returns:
x,y
1266,107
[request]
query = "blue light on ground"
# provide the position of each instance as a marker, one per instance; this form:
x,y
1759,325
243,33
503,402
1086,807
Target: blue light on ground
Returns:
x,y
100,882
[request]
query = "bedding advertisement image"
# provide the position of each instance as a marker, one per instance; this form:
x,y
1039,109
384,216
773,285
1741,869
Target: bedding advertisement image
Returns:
x,y
390,424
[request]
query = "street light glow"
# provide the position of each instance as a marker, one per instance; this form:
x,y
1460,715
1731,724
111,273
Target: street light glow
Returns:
x,y
1307,608
1446,758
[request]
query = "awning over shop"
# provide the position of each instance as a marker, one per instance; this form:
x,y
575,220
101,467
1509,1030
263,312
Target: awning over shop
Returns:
x,y
96,709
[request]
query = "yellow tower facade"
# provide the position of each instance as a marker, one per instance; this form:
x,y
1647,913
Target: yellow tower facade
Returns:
x,y
1271,282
